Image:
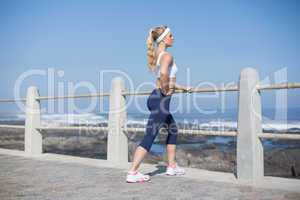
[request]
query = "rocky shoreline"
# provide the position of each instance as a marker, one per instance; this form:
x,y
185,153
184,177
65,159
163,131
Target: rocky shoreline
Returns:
x,y
282,162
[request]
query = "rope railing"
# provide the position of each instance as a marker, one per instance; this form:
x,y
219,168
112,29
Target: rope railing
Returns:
x,y
279,86
126,93
190,132
73,128
264,135
289,136
12,100
147,92
73,97
12,126
195,90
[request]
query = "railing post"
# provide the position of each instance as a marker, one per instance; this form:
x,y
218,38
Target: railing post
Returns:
x,y
117,144
250,158
33,138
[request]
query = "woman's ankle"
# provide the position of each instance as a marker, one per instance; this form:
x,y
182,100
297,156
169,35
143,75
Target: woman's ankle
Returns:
x,y
132,172
133,169
172,164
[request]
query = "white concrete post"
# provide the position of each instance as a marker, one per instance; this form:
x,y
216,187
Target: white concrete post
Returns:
x,y
117,144
250,158
33,138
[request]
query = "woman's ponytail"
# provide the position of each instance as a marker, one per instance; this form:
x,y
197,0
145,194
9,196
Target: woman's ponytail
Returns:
x,y
150,51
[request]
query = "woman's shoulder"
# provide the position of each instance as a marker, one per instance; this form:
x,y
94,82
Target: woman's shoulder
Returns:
x,y
167,56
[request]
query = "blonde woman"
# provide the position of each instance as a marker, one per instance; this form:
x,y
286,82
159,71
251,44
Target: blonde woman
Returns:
x,y
162,64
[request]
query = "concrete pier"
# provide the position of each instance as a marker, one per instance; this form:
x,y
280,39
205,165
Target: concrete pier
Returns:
x,y
66,177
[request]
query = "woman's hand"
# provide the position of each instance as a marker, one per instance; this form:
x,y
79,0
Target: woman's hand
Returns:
x,y
189,89
170,92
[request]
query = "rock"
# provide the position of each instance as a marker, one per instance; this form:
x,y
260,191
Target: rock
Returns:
x,y
210,159
182,158
282,162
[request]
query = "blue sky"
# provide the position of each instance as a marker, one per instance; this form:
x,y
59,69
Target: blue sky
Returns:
x,y
213,39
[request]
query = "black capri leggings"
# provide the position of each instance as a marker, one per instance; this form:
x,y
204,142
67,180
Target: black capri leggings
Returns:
x,y
158,104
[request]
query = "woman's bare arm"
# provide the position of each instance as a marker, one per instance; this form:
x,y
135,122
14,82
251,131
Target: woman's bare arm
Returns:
x,y
175,86
169,85
164,72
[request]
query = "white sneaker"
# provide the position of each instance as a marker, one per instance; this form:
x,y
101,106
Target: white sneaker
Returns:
x,y
137,177
175,170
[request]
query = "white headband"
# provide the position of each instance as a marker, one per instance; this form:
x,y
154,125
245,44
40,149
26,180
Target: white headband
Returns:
x,y
161,37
